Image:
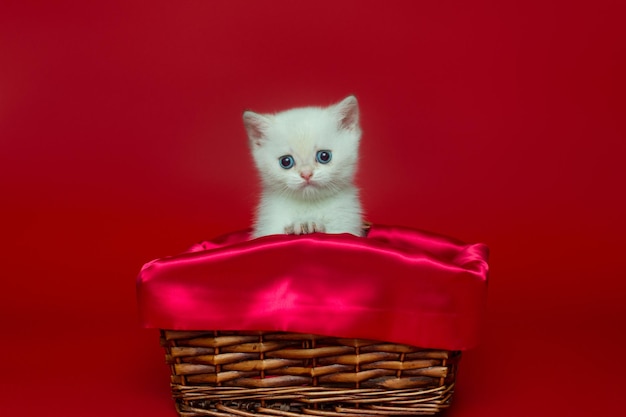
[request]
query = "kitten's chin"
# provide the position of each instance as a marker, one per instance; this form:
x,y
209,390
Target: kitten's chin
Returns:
x,y
313,191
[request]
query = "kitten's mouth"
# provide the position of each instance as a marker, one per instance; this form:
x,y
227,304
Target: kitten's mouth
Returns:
x,y
308,187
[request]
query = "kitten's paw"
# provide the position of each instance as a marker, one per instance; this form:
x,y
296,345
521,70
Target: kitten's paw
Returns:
x,y
308,227
301,228
304,228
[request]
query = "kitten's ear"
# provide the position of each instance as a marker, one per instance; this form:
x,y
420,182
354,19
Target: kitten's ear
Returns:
x,y
348,112
256,126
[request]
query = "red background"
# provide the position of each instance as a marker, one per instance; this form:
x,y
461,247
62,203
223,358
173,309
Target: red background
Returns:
x,y
121,141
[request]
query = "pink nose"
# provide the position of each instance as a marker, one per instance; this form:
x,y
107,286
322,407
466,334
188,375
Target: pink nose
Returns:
x,y
306,175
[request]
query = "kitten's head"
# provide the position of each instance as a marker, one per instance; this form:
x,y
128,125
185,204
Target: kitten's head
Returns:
x,y
307,152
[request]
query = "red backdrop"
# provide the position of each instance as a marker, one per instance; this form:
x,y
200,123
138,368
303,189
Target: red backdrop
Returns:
x,y
121,141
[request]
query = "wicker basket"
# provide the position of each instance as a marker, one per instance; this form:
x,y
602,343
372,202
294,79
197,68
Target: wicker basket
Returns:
x,y
217,373
407,287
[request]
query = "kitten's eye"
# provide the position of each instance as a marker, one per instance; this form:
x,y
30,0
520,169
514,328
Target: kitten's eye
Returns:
x,y
324,157
286,161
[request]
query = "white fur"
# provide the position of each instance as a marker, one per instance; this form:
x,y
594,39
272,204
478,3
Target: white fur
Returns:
x,y
329,202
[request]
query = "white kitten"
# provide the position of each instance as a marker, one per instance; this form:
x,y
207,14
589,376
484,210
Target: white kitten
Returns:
x,y
307,158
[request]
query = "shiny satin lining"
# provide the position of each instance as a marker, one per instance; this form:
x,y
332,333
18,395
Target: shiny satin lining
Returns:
x,y
397,285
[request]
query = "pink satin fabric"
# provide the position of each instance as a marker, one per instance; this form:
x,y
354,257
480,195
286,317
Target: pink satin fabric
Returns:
x,y
398,285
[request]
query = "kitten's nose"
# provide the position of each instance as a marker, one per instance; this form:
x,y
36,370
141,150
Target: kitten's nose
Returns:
x,y
307,174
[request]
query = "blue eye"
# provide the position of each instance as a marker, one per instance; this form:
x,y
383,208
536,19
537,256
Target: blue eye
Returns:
x,y
286,161
324,157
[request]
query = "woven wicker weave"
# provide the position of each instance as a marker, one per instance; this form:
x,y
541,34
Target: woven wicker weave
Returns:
x,y
291,374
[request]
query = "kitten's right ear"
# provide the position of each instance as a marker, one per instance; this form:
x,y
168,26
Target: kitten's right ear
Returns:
x,y
256,126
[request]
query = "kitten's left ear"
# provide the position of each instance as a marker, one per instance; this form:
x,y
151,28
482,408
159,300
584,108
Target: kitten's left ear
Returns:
x,y
348,112
256,125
